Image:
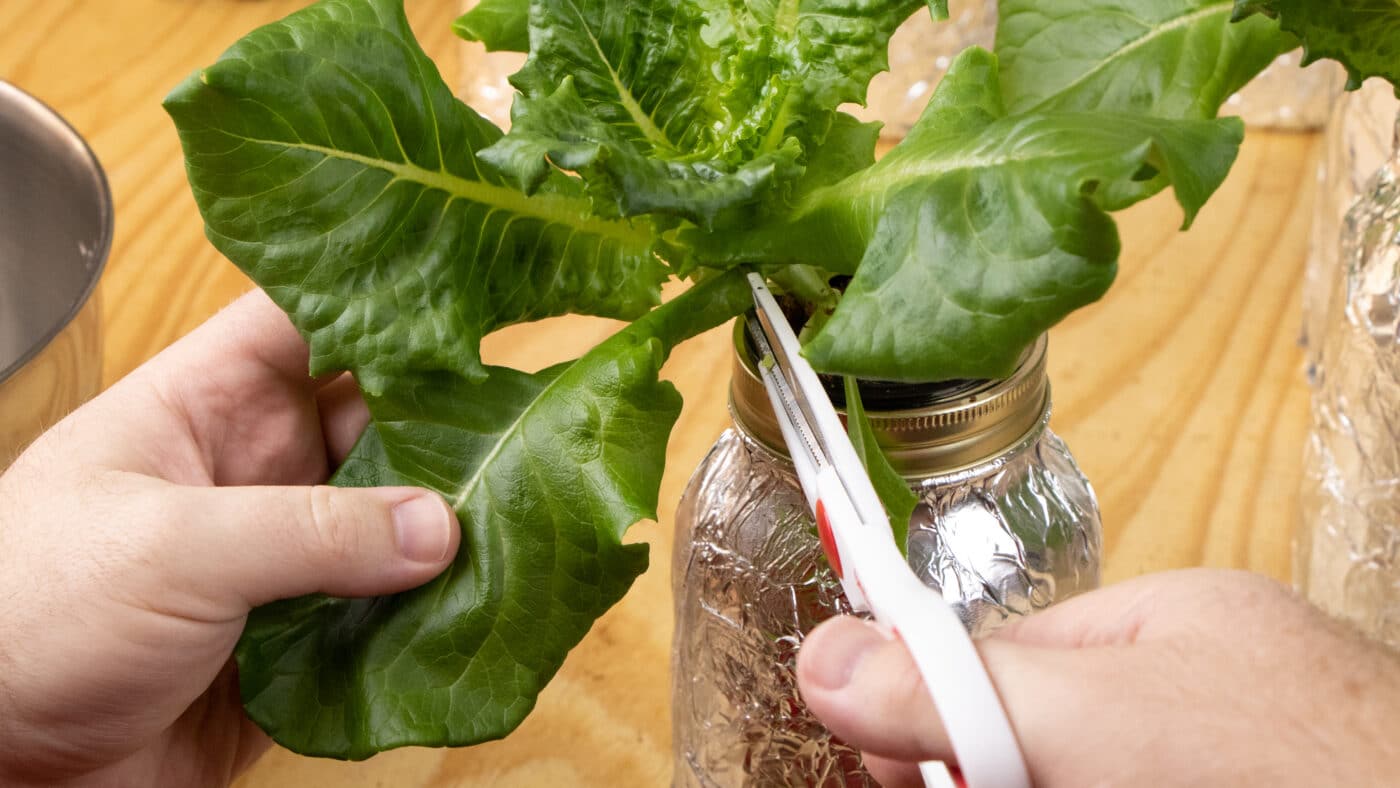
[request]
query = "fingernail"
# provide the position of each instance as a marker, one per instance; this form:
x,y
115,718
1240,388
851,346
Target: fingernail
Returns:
x,y
423,528
838,651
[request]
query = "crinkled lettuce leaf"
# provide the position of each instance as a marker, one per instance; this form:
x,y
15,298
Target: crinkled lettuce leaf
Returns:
x,y
693,109
1362,35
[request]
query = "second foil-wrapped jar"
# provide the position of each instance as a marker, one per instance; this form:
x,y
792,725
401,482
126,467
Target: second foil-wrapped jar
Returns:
x,y
1006,525
1347,555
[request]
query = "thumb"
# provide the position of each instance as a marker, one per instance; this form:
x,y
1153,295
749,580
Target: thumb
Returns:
x,y
247,546
865,687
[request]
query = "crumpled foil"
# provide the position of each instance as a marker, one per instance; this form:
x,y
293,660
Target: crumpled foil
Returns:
x,y
1000,540
1347,555
1359,140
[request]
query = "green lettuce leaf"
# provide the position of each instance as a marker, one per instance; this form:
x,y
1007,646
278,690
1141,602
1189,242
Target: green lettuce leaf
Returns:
x,y
696,109
559,130
502,25
335,167
546,472
893,490
1362,35
980,230
1167,58
796,61
848,149
985,228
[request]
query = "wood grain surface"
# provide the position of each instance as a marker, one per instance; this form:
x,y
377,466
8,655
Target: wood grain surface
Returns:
x,y
1181,393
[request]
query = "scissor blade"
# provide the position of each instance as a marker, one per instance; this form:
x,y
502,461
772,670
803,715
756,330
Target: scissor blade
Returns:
x,y
788,409
787,355
809,398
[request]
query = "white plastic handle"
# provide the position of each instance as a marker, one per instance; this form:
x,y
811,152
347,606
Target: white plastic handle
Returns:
x,y
986,748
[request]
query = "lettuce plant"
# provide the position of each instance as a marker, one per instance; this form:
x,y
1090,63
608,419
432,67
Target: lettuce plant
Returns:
x,y
650,140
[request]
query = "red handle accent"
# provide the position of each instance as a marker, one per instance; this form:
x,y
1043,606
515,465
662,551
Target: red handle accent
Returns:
x,y
833,556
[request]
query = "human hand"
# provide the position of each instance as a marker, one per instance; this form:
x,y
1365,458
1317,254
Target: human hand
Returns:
x,y
136,535
1197,677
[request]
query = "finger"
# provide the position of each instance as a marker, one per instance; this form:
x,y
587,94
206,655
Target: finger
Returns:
x,y
864,686
1110,616
344,416
236,391
239,547
250,331
1150,606
891,773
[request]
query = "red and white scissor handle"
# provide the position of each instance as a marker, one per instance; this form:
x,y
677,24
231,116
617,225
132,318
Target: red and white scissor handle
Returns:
x,y
860,547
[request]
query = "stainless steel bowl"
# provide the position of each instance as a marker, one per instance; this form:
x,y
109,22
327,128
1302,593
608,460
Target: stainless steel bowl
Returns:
x,y
55,233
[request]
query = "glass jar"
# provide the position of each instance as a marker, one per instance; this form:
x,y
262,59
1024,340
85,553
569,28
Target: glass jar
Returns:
x,y
1347,554
1006,524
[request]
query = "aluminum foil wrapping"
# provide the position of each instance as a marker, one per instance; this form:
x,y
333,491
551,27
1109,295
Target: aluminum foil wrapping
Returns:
x,y
1359,140
1347,557
1000,540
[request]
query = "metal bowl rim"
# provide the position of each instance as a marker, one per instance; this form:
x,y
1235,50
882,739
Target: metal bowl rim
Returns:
x,y
28,102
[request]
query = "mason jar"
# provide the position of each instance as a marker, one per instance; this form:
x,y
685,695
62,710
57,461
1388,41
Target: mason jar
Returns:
x,y
1006,524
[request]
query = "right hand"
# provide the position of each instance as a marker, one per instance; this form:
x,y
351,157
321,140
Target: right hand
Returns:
x,y
1199,677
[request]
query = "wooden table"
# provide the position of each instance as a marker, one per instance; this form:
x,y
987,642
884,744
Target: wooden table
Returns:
x,y
1181,393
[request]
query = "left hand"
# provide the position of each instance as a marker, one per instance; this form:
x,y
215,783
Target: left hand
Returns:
x,y
136,535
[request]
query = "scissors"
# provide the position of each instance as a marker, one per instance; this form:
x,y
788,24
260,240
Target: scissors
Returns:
x,y
859,544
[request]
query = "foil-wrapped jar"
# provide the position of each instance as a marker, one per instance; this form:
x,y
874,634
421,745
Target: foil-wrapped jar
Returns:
x,y
1006,524
1359,140
1347,554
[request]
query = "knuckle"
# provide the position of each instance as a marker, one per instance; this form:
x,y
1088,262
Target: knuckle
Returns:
x,y
331,540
